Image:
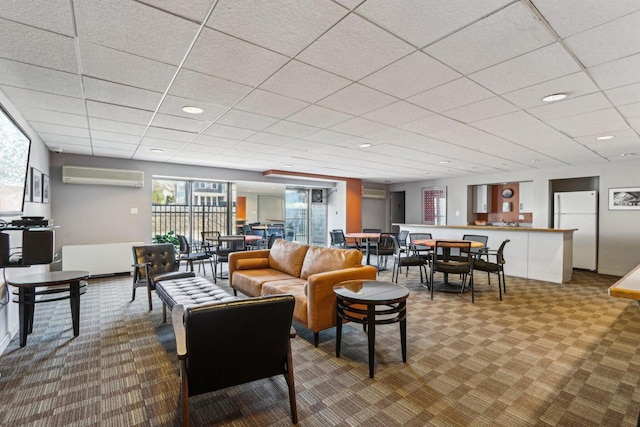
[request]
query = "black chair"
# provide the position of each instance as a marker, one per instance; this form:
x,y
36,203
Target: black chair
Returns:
x,y
385,248
221,345
405,259
153,263
402,239
339,241
443,262
497,266
227,245
474,251
420,249
273,238
209,243
258,244
189,257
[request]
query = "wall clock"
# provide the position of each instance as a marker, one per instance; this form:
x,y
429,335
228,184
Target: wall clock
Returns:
x,y
507,193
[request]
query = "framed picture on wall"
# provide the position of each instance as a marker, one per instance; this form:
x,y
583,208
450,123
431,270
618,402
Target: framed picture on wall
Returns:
x,y
36,185
624,199
434,205
45,188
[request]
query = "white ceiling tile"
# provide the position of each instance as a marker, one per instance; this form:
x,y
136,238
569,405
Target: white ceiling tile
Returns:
x,y
302,81
173,105
117,127
430,125
38,47
246,120
506,34
52,139
357,99
120,67
535,67
114,93
617,73
284,26
202,87
295,130
613,40
118,113
596,122
52,15
621,141
569,17
451,95
41,79
46,101
354,48
60,130
410,75
223,131
270,104
169,134
423,22
212,142
194,10
162,143
54,117
178,123
133,27
507,121
573,85
624,95
117,140
359,127
571,107
74,148
397,113
229,58
315,115
278,141
630,110
329,137
480,110
112,152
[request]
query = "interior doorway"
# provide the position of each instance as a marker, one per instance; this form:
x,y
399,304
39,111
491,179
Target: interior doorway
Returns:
x,y
397,207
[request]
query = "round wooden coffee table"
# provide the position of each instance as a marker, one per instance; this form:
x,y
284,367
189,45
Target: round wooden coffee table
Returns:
x,y
385,299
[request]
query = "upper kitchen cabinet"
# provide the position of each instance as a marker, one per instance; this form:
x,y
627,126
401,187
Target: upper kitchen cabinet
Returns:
x,y
481,198
526,197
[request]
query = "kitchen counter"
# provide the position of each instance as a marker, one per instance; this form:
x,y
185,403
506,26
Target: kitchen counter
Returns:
x,y
534,253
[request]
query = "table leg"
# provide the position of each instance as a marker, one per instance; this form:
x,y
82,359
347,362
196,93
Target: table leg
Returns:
x,y
368,252
74,293
371,323
23,314
403,330
338,329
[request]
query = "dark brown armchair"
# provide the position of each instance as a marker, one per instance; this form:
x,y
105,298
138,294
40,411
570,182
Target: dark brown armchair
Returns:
x,y
153,263
253,343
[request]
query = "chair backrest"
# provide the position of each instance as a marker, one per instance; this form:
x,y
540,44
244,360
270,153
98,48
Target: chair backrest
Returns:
x,y
476,238
209,236
397,249
372,230
385,243
254,339
337,238
161,258
233,244
419,236
273,238
246,229
500,253
184,244
443,261
402,237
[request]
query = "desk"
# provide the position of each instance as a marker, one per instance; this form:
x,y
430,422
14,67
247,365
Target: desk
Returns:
x,y
628,286
445,286
371,293
367,237
60,282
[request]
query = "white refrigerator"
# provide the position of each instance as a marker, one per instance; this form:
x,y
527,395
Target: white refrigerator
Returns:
x,y
579,210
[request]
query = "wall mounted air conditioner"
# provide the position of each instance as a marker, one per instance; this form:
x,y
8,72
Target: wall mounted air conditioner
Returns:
x,y
373,193
100,176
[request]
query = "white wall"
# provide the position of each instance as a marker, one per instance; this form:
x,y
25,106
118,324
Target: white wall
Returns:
x,y
39,158
619,234
337,208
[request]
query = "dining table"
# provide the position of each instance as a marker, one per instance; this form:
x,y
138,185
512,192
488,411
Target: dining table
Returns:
x,y
445,285
367,238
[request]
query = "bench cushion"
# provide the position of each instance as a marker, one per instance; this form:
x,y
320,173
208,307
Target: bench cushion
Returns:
x,y
250,282
191,291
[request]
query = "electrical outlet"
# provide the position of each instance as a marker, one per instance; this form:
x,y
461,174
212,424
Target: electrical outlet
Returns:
x,y
520,216
134,211
457,213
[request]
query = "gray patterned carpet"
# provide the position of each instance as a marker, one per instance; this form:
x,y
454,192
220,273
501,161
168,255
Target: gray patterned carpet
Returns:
x,y
548,355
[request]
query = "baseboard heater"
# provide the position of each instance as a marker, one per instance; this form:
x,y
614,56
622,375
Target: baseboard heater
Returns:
x,y
100,259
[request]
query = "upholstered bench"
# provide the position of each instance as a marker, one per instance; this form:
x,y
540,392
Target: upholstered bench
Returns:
x,y
190,291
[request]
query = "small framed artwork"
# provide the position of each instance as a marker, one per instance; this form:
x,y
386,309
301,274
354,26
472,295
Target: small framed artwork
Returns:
x,y
45,188
36,185
624,199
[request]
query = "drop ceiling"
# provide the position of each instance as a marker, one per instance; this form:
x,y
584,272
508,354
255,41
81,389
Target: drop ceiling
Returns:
x,y
439,88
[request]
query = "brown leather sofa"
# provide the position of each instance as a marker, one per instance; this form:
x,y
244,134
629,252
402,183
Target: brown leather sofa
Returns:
x,y
306,272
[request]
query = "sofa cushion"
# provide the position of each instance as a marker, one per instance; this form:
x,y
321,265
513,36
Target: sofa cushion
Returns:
x,y
249,282
293,287
252,263
287,257
319,259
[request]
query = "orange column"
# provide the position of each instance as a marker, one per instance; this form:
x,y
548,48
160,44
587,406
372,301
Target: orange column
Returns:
x,y
354,206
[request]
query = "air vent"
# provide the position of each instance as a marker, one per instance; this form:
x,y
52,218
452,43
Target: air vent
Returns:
x,y
373,193
99,176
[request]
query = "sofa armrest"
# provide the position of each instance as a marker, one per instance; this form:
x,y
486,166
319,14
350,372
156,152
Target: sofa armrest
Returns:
x,y
235,256
321,301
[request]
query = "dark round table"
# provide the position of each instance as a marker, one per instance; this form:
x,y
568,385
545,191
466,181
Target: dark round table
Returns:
x,y
59,285
384,303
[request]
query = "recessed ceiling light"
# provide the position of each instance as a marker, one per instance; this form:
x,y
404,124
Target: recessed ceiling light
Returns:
x,y
157,150
444,162
627,154
288,166
365,145
554,97
604,137
192,110
534,161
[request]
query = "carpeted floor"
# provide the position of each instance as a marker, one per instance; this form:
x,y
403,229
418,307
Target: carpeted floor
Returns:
x,y
548,355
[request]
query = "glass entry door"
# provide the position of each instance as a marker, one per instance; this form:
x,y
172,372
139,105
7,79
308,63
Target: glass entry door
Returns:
x,y
305,221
